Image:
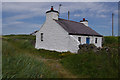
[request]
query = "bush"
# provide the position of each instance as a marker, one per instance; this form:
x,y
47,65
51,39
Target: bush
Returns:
x,y
87,48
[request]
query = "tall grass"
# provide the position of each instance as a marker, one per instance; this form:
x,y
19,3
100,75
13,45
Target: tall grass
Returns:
x,y
19,65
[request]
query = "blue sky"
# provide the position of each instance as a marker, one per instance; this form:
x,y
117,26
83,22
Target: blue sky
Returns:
x,y
26,17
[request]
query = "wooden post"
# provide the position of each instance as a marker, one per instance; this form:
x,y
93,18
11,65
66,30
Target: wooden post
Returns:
x,y
68,15
112,24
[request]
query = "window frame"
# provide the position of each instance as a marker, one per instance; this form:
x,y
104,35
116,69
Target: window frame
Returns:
x,y
96,40
41,36
79,39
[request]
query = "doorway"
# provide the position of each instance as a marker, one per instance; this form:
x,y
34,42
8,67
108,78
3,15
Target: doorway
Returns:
x,y
87,40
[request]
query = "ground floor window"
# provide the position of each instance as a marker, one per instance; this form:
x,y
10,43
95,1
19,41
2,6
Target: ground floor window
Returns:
x,y
79,39
41,36
95,40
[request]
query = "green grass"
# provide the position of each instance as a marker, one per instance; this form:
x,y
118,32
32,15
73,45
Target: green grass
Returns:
x,y
20,65
0,58
92,65
110,41
87,65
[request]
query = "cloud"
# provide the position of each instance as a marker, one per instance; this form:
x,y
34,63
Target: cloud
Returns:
x,y
77,15
93,9
27,10
19,28
22,7
103,16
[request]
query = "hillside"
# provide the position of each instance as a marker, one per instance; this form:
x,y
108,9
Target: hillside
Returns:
x,y
22,60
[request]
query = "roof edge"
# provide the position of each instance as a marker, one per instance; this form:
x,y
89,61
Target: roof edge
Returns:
x,y
52,11
85,34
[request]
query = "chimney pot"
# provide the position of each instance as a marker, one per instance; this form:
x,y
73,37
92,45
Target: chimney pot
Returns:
x,y
51,7
83,19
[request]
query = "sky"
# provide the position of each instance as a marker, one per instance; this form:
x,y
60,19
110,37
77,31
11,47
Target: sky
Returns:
x,y
26,17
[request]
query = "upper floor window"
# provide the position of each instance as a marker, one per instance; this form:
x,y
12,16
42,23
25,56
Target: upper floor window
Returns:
x,y
41,36
95,40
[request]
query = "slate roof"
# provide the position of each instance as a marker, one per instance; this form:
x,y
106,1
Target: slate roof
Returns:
x,y
76,28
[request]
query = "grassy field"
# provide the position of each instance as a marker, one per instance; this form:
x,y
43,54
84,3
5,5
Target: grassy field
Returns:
x,y
22,60
18,64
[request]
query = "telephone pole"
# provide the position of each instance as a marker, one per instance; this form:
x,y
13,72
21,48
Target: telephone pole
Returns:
x,y
112,24
68,15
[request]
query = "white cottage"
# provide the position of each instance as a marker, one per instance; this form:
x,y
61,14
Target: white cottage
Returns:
x,y
65,35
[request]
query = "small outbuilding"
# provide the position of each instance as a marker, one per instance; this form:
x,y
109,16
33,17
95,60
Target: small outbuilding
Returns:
x,y
65,35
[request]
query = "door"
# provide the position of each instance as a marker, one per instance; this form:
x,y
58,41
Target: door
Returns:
x,y
87,40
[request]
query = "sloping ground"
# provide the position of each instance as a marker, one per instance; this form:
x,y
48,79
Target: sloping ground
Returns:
x,y
20,63
55,66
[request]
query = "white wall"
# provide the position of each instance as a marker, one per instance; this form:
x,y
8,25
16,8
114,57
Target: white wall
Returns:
x,y
92,40
74,43
51,15
54,37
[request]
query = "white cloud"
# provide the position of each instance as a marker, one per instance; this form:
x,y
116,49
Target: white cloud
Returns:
x,y
29,10
77,15
103,16
92,8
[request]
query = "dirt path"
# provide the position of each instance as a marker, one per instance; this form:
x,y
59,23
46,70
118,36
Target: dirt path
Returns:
x,y
56,66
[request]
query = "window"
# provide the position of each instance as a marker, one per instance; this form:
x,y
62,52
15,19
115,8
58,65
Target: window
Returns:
x,y
79,39
41,36
95,40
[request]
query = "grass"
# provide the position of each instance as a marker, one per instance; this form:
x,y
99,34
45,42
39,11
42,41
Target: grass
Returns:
x,y
111,41
92,65
20,65
0,58
87,65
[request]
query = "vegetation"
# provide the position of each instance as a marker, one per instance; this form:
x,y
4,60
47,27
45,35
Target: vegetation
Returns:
x,y
16,64
110,41
22,60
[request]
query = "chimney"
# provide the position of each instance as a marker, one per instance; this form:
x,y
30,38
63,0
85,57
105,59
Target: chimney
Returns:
x,y
51,8
52,14
83,19
68,15
85,22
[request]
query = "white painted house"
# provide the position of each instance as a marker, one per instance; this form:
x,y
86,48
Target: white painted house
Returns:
x,y
64,35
